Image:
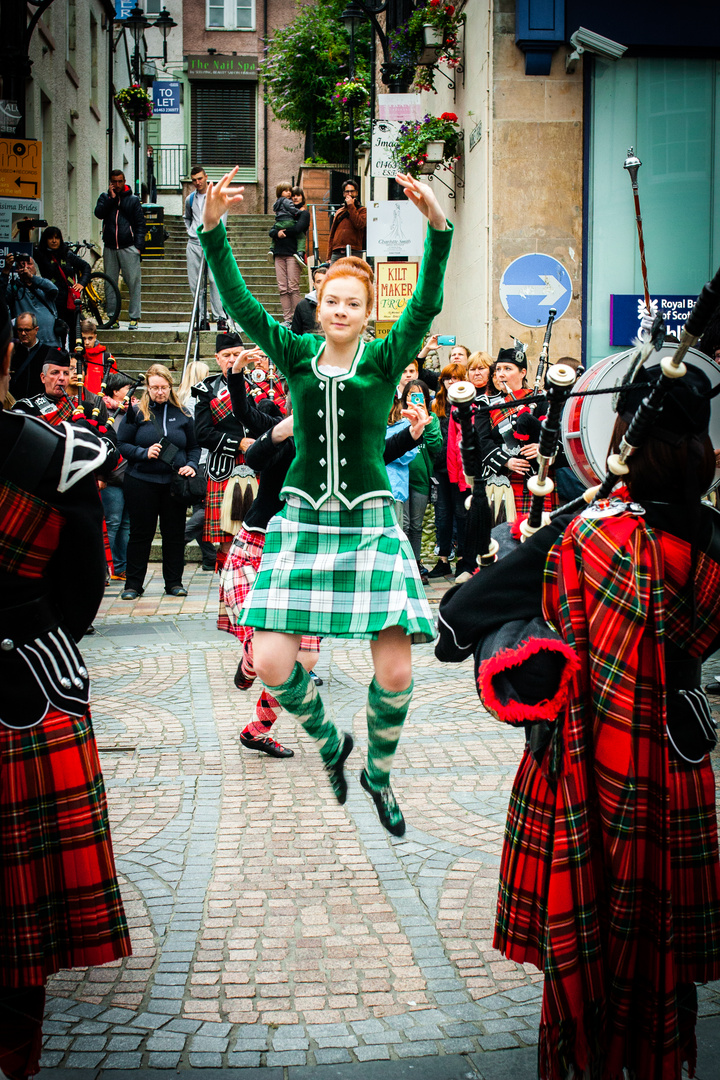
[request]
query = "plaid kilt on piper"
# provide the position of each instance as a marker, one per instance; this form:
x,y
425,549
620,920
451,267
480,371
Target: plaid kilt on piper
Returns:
x,y
213,505
338,573
61,901
237,580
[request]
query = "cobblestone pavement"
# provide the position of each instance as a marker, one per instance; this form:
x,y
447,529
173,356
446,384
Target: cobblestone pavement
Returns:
x,y
270,926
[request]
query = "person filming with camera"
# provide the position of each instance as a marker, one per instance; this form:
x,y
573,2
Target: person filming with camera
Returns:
x,y
25,290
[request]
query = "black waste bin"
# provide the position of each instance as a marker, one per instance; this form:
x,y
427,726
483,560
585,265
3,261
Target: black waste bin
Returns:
x,y
154,231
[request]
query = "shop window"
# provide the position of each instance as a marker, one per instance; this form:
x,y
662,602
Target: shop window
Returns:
x,y
224,126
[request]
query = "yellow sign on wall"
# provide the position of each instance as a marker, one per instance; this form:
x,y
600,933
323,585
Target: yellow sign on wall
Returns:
x,y
382,329
20,168
395,285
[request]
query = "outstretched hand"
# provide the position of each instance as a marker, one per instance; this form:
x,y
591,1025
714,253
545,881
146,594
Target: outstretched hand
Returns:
x,y
423,196
245,357
419,419
219,198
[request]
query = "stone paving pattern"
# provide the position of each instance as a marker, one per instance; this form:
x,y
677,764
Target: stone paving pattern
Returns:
x,y
270,926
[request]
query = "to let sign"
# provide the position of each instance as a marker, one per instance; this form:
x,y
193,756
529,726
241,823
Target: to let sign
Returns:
x,y
166,97
20,168
395,285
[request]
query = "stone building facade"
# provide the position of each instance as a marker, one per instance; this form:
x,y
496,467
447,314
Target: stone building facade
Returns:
x,y
68,108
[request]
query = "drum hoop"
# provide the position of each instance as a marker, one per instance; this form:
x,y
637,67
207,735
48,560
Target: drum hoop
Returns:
x,y
592,407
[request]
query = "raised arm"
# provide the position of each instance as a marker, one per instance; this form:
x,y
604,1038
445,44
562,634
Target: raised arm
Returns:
x,y
402,342
274,339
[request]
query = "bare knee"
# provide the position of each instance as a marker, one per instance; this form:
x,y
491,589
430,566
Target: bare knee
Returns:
x,y
274,656
394,678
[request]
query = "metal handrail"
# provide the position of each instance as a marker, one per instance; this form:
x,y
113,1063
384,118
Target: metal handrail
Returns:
x,y
198,321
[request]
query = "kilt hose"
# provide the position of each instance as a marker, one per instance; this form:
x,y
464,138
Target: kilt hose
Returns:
x,y
236,581
62,904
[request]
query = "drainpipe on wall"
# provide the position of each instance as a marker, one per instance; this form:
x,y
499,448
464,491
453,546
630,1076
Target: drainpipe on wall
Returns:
x,y
265,120
111,101
488,185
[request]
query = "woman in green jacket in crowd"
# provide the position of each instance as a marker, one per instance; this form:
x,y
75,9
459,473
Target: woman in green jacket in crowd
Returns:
x,y
335,562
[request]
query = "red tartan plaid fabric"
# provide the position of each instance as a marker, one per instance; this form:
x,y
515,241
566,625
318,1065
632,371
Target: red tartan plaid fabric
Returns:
x,y
64,411
237,580
610,873
29,531
213,506
523,498
61,902
220,408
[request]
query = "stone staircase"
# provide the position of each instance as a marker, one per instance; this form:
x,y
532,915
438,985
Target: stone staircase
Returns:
x,y
167,301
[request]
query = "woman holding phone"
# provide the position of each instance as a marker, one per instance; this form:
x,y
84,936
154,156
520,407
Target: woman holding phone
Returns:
x,y
157,439
337,527
416,393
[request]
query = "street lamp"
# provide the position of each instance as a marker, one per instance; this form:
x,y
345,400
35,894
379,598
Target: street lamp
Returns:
x,y
137,24
352,16
164,23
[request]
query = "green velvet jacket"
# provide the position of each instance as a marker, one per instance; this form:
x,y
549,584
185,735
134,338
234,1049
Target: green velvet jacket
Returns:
x,y
340,420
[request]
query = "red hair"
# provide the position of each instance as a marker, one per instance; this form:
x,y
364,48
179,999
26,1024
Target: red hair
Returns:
x,y
351,266
441,404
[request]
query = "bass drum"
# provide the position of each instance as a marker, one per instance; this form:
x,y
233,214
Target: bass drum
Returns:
x,y
587,422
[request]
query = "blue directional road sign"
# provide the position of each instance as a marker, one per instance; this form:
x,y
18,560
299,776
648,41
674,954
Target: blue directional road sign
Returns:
x,y
532,285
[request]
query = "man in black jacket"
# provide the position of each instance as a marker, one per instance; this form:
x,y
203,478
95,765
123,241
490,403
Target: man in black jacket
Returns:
x,y
123,233
219,431
305,315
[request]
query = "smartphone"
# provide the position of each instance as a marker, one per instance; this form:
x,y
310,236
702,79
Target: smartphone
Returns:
x,y
417,398
445,339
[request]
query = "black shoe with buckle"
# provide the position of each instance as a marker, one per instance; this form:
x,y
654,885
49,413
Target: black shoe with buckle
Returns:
x,y
241,680
386,805
267,746
336,772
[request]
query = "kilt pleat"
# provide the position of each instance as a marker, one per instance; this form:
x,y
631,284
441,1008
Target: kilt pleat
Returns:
x,y
60,896
213,505
338,573
695,871
521,920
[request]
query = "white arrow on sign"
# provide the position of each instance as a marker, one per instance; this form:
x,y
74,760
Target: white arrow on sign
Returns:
x,y
551,289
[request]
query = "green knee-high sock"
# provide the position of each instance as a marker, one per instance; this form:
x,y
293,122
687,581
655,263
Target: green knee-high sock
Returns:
x,y
386,712
299,695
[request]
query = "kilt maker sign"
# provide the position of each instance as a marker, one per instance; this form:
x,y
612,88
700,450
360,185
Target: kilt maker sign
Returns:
x,y
396,283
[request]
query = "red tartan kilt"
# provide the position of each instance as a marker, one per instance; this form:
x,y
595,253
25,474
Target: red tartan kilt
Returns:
x,y
523,498
237,579
695,872
525,867
60,897
213,505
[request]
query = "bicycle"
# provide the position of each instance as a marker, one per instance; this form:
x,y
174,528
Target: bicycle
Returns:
x,y
101,296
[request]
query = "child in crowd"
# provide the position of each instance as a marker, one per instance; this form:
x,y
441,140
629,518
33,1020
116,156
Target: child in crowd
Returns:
x,y
96,357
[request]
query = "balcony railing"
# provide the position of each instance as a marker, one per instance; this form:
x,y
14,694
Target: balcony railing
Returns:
x,y
171,165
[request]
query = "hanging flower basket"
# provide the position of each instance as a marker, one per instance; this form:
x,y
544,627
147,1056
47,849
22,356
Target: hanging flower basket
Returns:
x,y
432,44
135,102
423,145
429,37
351,94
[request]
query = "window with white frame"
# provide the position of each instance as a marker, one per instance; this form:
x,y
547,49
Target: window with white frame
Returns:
x,y
231,14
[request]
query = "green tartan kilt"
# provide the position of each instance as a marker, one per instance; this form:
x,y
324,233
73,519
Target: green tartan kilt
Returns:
x,y
338,573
